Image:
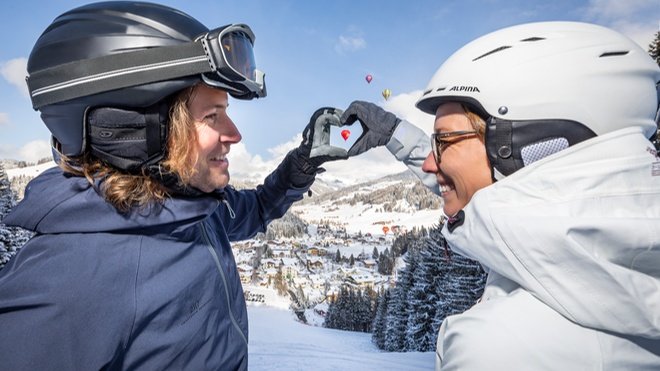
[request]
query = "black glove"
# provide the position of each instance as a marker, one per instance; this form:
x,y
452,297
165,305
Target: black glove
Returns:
x,y
377,125
302,164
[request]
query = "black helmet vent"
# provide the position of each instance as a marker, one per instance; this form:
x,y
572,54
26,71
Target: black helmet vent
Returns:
x,y
529,39
504,47
613,54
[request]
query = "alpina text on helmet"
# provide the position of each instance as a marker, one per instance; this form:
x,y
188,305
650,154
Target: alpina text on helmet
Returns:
x,y
472,89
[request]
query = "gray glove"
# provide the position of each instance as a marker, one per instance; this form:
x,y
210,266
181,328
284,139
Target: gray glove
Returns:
x,y
316,137
303,163
377,125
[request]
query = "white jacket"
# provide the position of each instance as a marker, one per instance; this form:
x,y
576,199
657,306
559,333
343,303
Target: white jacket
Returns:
x,y
572,247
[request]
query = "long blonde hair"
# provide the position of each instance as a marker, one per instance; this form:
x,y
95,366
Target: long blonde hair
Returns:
x,y
125,191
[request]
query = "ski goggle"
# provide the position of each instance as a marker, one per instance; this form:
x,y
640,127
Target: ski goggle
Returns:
x,y
223,57
231,56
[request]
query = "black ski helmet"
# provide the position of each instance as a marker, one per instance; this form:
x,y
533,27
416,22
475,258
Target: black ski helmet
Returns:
x,y
100,73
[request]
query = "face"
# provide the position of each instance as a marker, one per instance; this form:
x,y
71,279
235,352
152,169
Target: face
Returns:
x,y
216,133
463,167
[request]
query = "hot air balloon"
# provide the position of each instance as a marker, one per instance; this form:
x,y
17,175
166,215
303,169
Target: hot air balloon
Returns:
x,y
368,78
386,229
387,93
345,134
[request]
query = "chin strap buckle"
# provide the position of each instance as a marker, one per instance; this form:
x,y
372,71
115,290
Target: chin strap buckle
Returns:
x,y
455,221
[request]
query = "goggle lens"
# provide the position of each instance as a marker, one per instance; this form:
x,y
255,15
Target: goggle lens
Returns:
x,y
239,55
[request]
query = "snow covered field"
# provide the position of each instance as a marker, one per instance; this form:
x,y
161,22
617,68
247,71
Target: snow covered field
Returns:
x,y
279,342
32,171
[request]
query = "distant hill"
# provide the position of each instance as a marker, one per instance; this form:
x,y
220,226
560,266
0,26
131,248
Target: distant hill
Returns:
x,y
402,192
395,200
20,175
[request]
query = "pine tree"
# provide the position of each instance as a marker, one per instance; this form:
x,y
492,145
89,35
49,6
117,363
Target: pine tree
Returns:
x,y
654,48
374,254
425,297
654,52
11,238
379,324
416,297
434,284
385,263
397,321
364,312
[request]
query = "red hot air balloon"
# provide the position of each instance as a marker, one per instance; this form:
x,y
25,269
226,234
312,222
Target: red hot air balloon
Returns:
x,y
368,78
345,134
386,229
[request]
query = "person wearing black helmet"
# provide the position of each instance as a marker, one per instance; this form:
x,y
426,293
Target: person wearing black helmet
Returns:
x,y
541,153
131,265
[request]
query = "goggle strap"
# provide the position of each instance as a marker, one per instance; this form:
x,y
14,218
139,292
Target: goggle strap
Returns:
x,y
116,71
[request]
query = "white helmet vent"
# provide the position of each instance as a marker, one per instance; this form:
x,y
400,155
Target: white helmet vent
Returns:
x,y
537,151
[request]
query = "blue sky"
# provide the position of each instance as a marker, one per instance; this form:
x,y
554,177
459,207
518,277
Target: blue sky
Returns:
x,y
315,54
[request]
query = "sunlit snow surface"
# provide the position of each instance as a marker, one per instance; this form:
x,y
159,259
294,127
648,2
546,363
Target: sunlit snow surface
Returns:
x,y
279,342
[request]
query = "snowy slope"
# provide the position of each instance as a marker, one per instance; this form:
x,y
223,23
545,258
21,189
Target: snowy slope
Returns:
x,y
31,171
278,342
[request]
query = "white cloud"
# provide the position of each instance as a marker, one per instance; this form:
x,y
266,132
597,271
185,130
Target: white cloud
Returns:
x,y
245,166
351,41
616,9
35,150
31,152
15,71
4,119
636,19
403,105
371,165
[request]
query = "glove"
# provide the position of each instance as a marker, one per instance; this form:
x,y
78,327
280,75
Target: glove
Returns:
x,y
377,125
316,137
303,163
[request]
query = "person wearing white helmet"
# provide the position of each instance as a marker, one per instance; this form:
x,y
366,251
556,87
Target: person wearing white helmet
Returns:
x,y
131,266
541,153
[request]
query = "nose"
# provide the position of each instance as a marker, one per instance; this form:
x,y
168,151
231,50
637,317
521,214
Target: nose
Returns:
x,y
230,133
429,165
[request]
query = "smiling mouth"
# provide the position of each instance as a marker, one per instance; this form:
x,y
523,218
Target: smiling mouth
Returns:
x,y
444,188
218,158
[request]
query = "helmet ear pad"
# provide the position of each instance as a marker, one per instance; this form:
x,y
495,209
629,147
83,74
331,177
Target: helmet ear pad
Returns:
x,y
129,139
512,145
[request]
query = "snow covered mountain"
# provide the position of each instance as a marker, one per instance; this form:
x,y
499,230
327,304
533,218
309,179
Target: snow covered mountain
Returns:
x,y
398,202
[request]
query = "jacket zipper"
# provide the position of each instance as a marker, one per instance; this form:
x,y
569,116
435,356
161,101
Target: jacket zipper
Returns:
x,y
211,249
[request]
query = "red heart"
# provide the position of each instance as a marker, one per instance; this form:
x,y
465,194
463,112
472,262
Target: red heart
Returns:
x,y
345,134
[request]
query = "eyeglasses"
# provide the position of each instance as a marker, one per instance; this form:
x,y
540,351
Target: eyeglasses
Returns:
x,y
439,142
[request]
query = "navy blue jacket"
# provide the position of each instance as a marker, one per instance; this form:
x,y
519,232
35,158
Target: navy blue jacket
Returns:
x,y
152,290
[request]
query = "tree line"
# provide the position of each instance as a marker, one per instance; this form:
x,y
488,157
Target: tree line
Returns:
x,y
435,283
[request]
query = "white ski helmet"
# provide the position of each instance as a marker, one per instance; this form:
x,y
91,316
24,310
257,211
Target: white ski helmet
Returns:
x,y
542,87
